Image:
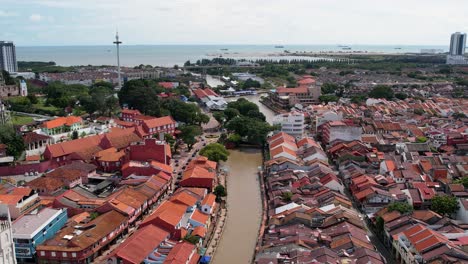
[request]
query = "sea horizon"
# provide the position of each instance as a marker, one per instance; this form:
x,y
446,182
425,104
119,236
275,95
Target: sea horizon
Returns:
x,y
169,55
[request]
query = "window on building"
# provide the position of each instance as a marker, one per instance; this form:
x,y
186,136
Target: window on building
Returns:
x,y
74,255
64,254
52,254
42,253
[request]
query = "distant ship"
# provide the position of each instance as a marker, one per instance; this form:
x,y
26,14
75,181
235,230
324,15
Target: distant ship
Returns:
x,y
279,47
346,48
342,46
398,48
224,49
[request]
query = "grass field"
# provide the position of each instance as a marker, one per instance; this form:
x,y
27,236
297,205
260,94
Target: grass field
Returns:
x,y
21,120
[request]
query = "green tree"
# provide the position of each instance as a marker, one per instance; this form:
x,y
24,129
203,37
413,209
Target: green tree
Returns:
x,y
254,130
287,196
202,119
358,99
329,88
187,113
328,98
219,191
463,181
234,138
243,106
401,96
32,98
220,117
230,113
381,91
379,225
74,135
141,95
14,142
191,239
403,208
418,111
189,133
458,115
444,204
7,78
93,215
256,114
421,139
249,83
215,152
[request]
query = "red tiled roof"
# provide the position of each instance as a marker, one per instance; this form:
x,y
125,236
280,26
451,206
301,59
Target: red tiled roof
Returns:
x,y
87,144
159,122
284,90
199,231
198,172
131,111
281,149
138,246
200,217
167,85
61,121
184,198
209,200
110,155
32,137
121,138
202,93
306,81
180,253
47,183
10,199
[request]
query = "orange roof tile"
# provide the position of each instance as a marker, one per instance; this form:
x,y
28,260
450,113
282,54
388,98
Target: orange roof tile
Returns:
x,y
184,198
61,121
159,122
198,172
10,199
210,200
138,246
281,149
199,231
200,217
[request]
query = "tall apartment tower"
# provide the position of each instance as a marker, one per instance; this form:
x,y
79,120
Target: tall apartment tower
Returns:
x,y
457,44
7,246
8,56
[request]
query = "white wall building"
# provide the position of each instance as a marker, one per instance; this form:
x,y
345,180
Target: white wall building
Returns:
x,y
291,123
457,49
7,247
8,56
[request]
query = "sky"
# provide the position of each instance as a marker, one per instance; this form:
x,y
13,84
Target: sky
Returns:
x,y
94,22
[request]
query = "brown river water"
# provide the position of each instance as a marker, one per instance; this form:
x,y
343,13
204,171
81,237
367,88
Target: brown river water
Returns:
x,y
244,203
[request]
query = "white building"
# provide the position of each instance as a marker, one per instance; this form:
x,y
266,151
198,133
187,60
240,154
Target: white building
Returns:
x,y
457,49
291,123
8,56
215,102
7,247
457,43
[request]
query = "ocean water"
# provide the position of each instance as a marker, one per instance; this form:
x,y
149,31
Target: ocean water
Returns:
x,y
170,55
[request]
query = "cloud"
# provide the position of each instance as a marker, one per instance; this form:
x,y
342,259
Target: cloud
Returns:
x,y
7,14
35,17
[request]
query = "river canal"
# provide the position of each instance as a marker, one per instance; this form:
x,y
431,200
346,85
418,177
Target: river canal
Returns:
x,y
244,202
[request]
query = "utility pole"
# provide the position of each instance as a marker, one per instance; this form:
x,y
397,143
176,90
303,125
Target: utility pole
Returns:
x,y
117,42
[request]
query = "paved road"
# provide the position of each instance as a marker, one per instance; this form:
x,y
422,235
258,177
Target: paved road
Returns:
x,y
32,115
